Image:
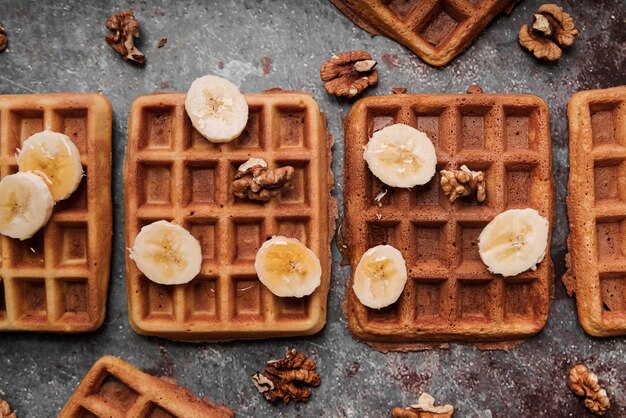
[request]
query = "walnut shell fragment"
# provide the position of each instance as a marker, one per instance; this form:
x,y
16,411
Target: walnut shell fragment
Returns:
x,y
5,410
349,73
255,181
552,29
283,379
425,408
124,28
585,383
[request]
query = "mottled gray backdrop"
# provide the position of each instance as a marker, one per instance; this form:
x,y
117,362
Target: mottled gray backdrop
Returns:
x,y
58,46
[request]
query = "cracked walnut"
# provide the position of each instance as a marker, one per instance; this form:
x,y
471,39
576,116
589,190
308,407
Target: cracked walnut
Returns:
x,y
124,28
552,29
255,181
349,73
585,383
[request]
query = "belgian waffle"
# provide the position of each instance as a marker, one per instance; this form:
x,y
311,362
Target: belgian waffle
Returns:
x,y
450,295
596,204
436,30
57,280
175,174
115,389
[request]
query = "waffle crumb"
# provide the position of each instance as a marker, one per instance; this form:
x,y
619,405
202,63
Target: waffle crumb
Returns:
x,y
349,73
585,383
124,28
5,410
463,182
425,408
552,29
256,181
283,379
4,41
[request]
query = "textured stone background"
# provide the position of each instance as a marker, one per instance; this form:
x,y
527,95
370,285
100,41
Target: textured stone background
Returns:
x,y
58,46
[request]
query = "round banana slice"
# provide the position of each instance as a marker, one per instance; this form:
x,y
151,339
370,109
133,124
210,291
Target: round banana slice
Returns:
x,y
216,108
514,241
401,156
54,157
167,253
287,267
25,205
380,277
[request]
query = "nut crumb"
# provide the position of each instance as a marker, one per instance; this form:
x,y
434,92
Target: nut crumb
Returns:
x,y
255,181
425,408
474,89
124,28
585,383
398,90
349,73
551,30
5,410
4,41
162,42
463,182
283,379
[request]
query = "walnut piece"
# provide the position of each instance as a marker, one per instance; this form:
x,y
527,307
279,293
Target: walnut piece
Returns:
x,y
4,41
349,73
124,28
552,29
162,42
282,378
255,181
425,408
5,410
585,383
463,182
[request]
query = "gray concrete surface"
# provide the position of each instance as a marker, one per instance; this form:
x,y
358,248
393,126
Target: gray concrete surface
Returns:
x,y
58,46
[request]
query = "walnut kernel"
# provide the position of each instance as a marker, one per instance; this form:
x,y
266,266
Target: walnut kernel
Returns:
x,y
585,383
349,73
4,41
552,29
5,410
282,378
124,28
425,408
463,182
255,181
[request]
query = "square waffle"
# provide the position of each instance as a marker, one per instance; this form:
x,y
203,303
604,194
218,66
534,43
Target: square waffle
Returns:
x,y
450,295
596,204
173,173
435,30
115,389
57,281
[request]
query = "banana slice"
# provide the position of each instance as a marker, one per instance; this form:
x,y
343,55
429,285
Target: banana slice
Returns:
x,y
25,205
287,267
55,158
216,108
380,277
514,241
401,156
167,253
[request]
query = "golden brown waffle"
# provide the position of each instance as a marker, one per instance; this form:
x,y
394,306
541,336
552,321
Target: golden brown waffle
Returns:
x,y
57,280
175,174
436,30
115,389
596,204
450,295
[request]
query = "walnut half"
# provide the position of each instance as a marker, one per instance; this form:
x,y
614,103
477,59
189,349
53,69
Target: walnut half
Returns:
x,y
463,182
4,41
425,408
282,378
255,181
349,73
5,410
552,29
124,28
585,383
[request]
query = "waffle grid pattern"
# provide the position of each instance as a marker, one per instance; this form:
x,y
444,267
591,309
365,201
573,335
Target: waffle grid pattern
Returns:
x,y
450,294
597,206
57,280
179,176
115,389
436,30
